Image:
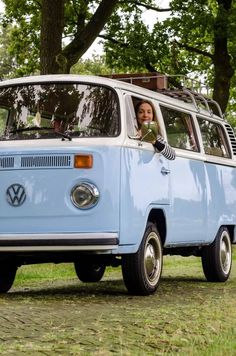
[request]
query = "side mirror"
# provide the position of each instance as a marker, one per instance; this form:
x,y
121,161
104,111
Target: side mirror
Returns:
x,y
149,131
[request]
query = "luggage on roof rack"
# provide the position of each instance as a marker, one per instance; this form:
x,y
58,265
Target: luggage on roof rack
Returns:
x,y
165,84
151,81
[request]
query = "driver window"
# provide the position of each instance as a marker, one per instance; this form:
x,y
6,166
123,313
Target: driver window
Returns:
x,y
130,117
133,127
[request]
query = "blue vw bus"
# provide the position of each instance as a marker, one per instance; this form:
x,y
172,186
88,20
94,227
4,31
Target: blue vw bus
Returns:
x,y
77,185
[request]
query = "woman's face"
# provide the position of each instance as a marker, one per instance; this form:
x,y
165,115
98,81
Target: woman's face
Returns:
x,y
145,113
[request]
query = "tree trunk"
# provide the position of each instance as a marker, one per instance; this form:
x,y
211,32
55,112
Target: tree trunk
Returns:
x,y
84,39
52,24
52,58
221,59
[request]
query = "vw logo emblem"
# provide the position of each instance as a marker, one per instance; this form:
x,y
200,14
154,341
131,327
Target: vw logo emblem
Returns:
x,y
16,194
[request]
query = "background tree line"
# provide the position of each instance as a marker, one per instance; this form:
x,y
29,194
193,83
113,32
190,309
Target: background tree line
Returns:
x,y
197,39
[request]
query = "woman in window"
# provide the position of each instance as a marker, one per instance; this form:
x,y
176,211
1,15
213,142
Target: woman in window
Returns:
x,y
145,112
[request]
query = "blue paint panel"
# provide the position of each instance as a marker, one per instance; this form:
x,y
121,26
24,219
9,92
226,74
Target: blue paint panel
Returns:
x,y
221,187
48,207
187,220
143,186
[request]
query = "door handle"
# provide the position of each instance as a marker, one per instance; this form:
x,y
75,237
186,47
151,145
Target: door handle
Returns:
x,y
165,171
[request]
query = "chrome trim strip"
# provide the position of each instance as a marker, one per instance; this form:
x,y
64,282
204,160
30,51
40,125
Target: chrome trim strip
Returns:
x,y
97,248
55,236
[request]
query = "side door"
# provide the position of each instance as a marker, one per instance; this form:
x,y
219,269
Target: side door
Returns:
x,y
187,221
143,183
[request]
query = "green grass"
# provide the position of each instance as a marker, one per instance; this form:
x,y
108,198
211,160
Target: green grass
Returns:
x,y
49,312
27,275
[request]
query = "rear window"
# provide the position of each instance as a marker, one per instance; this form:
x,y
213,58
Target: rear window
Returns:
x,y
56,109
213,138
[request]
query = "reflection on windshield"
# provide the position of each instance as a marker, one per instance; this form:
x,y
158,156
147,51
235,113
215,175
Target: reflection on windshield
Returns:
x,y
44,111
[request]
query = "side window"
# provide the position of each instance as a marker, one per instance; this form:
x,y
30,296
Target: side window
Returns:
x,y
130,117
131,103
180,130
213,138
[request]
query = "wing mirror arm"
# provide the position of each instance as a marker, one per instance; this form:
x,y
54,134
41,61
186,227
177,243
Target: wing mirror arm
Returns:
x,y
149,132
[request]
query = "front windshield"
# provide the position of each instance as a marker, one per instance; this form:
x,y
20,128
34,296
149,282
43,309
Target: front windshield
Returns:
x,y
38,111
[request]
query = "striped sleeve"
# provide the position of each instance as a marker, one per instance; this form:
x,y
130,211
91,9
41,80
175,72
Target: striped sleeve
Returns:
x,y
166,150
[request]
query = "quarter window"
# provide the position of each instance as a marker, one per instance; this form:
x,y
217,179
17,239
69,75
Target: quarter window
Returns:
x,y
213,138
179,128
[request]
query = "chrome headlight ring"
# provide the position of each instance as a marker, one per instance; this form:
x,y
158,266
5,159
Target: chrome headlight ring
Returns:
x,y
85,195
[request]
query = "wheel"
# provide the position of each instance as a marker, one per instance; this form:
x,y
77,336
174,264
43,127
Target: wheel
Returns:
x,y
217,257
89,270
7,277
142,270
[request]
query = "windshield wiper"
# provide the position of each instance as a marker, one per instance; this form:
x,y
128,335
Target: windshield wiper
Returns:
x,y
63,135
36,128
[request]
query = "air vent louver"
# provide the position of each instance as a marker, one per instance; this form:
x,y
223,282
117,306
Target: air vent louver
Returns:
x,y
6,162
52,161
231,137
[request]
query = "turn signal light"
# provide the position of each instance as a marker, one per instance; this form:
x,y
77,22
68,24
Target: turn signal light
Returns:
x,y
83,161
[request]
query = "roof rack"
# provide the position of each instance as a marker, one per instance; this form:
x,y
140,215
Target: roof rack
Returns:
x,y
195,98
167,85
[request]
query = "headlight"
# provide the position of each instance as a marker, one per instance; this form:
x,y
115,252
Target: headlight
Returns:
x,y
85,195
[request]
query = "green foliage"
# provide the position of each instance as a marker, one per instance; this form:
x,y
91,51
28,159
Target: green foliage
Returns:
x,y
133,46
7,65
182,44
94,66
231,112
130,44
185,43
21,22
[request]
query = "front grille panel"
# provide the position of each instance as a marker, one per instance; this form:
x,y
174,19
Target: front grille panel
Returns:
x,y
36,162
46,161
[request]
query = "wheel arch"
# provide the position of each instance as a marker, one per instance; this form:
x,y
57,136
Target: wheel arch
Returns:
x,y
217,257
157,217
231,229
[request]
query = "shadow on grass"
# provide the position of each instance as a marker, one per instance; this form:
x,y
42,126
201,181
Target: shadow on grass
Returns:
x,y
49,289
183,279
114,288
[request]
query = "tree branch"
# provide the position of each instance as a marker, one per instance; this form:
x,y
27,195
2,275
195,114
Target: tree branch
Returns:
x,y
194,49
83,40
147,64
111,39
148,7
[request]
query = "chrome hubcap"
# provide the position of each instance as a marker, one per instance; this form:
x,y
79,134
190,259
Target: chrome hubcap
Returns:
x,y
153,258
225,253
